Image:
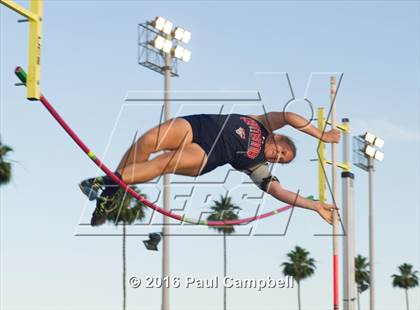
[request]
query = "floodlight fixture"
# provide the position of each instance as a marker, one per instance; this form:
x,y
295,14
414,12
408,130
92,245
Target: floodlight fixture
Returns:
x,y
370,151
181,53
167,28
373,140
379,156
178,51
182,35
159,42
373,153
186,37
178,33
369,137
379,142
186,56
162,44
159,23
167,46
159,38
162,25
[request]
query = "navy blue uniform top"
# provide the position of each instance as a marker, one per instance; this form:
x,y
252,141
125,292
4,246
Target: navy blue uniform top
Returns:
x,y
234,139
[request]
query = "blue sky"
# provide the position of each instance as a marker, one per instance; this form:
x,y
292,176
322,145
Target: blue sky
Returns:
x,y
89,63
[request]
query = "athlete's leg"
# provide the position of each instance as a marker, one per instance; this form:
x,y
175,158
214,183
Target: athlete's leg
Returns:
x,y
170,135
167,136
187,160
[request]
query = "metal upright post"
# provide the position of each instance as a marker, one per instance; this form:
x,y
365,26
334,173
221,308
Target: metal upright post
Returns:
x,y
333,85
34,16
34,56
371,236
166,193
348,220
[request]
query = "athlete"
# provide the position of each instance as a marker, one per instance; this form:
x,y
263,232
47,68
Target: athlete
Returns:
x,y
197,144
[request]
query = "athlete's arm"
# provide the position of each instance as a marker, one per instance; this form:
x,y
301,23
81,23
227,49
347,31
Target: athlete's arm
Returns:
x,y
262,177
277,120
278,192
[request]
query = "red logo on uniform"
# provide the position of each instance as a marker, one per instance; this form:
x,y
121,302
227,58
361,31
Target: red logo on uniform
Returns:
x,y
241,132
254,147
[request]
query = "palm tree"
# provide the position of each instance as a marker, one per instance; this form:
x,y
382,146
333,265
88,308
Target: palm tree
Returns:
x,y
300,266
361,276
5,165
406,279
224,210
125,210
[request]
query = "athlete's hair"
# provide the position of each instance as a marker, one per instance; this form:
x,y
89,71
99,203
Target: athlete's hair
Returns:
x,y
289,142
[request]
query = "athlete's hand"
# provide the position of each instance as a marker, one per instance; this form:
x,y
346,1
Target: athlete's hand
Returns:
x,y
332,136
325,210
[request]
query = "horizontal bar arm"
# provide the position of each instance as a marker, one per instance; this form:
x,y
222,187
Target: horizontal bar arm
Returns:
x,y
342,127
20,9
343,166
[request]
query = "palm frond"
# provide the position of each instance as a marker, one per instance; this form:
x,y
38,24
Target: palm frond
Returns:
x,y
361,273
224,210
407,278
299,265
126,209
4,149
5,165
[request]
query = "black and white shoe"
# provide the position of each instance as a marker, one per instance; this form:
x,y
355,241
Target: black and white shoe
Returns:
x,y
103,190
105,204
103,207
91,187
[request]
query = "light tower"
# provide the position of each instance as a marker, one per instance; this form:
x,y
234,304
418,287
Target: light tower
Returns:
x,y
159,51
365,150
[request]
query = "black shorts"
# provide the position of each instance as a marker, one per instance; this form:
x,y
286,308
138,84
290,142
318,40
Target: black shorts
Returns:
x,y
206,132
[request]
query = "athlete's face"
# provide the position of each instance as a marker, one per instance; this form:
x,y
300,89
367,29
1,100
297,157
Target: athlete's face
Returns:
x,y
278,152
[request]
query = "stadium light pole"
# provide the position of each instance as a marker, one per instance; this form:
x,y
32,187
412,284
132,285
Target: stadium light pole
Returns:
x,y
372,268
367,145
159,51
371,156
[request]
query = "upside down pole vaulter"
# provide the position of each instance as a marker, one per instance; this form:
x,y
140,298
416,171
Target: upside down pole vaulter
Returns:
x,y
21,74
